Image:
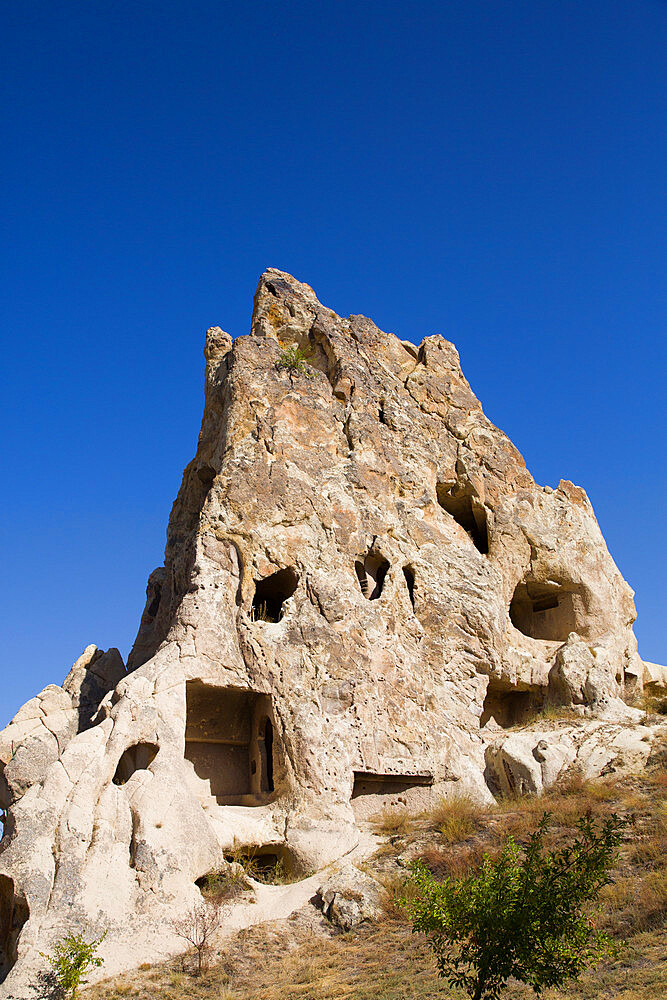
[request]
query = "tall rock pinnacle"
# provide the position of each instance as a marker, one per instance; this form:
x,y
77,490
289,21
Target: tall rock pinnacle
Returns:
x,y
363,591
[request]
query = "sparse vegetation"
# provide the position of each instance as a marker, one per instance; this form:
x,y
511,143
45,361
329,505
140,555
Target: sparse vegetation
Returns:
x,y
456,818
653,704
260,613
523,914
386,961
268,868
293,360
224,886
72,958
393,821
197,927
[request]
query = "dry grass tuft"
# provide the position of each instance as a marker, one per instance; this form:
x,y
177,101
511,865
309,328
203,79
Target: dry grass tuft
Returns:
x,y
393,821
456,818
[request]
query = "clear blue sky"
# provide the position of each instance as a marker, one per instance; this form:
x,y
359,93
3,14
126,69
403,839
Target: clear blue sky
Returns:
x,y
492,170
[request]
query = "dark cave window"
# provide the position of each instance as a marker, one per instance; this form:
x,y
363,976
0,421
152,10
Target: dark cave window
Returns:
x,y
271,593
409,575
371,572
136,758
466,511
14,913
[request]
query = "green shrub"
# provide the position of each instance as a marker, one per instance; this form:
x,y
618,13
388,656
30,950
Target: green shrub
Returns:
x,y
524,914
293,360
72,958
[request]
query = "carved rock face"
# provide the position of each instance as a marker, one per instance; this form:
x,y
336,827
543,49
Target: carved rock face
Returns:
x,y
362,588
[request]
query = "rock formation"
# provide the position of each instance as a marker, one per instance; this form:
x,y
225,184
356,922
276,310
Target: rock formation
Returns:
x,y
363,589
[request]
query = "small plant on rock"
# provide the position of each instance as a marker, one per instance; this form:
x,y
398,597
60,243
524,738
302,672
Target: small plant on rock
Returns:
x,y
72,958
525,914
293,360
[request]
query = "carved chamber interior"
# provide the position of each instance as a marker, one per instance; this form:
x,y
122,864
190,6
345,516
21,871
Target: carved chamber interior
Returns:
x,y
229,739
549,611
509,707
13,915
372,791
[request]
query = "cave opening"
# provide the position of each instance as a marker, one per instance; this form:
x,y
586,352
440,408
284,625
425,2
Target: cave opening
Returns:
x,y
373,791
14,913
268,863
271,594
371,571
509,707
467,511
548,611
409,575
206,476
5,801
152,609
374,783
138,757
230,742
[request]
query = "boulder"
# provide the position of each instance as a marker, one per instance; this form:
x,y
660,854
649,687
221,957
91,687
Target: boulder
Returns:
x,y
350,897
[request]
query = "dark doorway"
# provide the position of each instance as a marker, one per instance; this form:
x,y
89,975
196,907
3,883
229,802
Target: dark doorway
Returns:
x,y
14,914
265,741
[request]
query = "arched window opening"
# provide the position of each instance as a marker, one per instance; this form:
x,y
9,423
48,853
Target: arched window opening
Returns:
x,y
271,593
459,503
371,571
548,611
138,757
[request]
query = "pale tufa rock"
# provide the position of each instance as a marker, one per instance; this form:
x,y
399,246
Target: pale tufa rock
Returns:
x,y
363,591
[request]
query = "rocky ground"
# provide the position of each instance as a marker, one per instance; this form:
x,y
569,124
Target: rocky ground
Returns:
x,y
307,957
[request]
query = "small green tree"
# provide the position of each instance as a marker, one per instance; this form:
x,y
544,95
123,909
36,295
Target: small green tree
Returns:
x,y
522,915
72,958
293,360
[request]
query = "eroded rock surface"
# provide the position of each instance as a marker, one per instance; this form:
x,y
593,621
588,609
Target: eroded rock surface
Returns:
x,y
363,589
